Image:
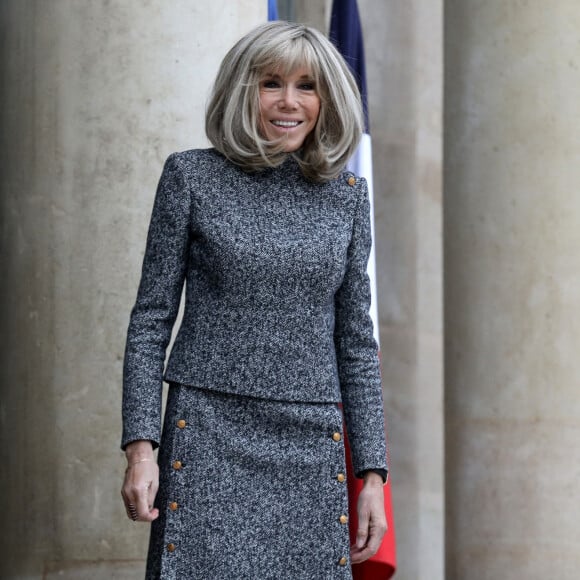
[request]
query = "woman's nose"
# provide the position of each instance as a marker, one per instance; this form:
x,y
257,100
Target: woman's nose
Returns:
x,y
288,98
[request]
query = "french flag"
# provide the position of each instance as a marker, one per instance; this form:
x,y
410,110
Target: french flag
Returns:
x,y
346,34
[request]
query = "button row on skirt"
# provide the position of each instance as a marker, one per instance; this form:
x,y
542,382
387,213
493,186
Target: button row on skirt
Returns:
x,y
341,478
177,465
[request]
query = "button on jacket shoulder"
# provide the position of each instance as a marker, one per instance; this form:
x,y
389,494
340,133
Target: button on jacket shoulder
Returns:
x,y
277,296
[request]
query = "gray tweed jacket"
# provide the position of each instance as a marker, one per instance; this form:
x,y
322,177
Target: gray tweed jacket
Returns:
x,y
277,295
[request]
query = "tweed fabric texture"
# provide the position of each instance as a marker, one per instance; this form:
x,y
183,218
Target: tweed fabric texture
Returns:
x,y
256,495
277,295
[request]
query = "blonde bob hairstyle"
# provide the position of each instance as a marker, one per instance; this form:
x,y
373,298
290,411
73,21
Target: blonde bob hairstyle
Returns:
x,y
232,119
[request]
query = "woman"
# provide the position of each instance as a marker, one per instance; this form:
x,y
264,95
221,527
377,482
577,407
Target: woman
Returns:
x,y
272,239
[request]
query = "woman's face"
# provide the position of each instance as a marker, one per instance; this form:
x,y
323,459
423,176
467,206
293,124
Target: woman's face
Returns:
x,y
289,107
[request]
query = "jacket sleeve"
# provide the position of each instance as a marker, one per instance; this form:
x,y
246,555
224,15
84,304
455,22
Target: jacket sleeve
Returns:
x,y
156,307
357,350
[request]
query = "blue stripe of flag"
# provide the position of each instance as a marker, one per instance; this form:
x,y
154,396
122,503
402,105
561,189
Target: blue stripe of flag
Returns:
x,y
272,10
346,35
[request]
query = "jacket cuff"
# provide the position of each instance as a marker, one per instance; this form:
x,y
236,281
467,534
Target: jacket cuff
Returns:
x,y
384,473
140,435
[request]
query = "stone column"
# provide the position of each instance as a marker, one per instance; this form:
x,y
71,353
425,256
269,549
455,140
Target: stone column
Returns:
x,y
314,13
95,95
512,289
404,70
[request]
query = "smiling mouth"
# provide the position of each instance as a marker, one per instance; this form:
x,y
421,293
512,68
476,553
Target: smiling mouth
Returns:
x,y
286,124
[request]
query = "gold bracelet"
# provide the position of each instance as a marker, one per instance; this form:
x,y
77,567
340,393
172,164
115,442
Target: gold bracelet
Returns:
x,y
140,461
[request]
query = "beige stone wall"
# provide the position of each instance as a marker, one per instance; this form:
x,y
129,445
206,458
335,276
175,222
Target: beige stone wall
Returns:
x,y
95,96
512,290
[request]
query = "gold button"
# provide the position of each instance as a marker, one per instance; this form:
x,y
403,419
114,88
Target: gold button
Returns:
x,y
181,423
171,547
343,519
342,561
340,477
177,464
173,506
351,180
336,436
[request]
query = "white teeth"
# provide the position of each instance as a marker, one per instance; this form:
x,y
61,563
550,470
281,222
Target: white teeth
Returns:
x,y
285,123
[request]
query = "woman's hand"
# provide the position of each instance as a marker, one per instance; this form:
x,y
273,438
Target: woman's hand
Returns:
x,y
372,523
141,482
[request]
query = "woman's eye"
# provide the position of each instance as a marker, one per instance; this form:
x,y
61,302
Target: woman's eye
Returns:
x,y
270,84
307,86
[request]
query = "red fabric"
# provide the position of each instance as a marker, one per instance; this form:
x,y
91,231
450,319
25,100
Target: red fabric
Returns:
x,y
384,563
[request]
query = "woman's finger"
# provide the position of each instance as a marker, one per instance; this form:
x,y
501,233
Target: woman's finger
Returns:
x,y
126,503
375,537
142,504
362,532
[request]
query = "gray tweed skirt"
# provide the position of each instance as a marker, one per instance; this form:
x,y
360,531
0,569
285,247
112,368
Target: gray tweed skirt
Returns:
x,y
250,489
